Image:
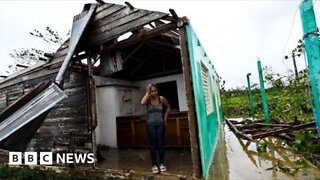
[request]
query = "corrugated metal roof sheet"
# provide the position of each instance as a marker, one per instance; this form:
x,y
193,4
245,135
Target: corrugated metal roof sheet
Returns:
x,y
79,25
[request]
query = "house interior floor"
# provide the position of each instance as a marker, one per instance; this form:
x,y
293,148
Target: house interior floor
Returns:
x,y
177,161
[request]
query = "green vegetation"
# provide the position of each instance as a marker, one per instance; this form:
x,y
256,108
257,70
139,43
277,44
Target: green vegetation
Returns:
x,y
21,173
284,169
25,173
261,146
288,100
308,143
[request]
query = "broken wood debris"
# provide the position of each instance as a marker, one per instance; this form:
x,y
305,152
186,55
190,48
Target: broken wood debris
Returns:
x,y
252,130
284,130
239,133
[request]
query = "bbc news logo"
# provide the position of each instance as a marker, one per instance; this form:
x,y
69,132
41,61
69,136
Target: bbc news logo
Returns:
x,y
46,158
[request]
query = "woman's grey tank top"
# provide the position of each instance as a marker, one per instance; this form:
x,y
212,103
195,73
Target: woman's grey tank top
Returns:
x,y
155,114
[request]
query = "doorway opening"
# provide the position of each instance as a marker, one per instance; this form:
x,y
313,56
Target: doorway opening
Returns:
x,y
121,131
169,90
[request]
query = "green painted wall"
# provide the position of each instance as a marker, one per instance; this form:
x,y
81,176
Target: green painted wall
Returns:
x,y
208,124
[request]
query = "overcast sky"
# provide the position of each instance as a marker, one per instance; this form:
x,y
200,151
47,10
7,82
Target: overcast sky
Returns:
x,y
233,33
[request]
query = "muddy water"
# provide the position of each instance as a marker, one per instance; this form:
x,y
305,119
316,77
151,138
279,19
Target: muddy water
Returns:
x,y
240,159
177,161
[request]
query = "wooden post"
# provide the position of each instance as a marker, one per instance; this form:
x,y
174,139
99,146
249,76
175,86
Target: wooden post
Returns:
x,y
295,66
250,95
92,111
193,127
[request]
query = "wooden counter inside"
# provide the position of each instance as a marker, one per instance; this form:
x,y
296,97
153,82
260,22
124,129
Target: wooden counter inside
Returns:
x,y
131,131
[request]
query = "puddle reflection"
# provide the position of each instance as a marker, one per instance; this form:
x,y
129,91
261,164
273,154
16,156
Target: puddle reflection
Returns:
x,y
269,158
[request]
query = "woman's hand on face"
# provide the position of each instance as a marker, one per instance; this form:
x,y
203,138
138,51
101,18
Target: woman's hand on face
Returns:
x,y
148,88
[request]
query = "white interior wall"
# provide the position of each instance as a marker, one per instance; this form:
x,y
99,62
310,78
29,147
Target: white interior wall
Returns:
x,y
114,98
119,98
106,112
180,87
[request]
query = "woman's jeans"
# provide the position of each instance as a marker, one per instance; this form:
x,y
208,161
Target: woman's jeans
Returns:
x,y
156,136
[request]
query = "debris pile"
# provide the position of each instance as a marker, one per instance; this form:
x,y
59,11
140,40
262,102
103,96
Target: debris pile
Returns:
x,y
252,130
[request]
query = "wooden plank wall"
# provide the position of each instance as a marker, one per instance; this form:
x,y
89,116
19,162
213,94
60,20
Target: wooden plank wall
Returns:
x,y
111,21
3,101
70,115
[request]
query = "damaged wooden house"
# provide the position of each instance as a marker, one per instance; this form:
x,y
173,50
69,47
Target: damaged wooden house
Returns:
x,y
87,95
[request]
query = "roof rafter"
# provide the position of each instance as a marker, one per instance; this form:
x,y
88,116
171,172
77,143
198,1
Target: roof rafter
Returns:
x,y
140,37
133,72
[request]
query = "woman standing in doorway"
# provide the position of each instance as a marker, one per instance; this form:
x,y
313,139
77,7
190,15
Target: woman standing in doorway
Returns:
x,y
158,110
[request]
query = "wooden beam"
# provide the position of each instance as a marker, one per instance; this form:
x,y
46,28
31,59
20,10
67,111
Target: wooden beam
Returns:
x,y
173,19
284,137
173,13
158,23
192,118
133,51
91,105
96,59
100,1
82,68
129,5
289,129
132,73
272,125
49,55
237,132
22,66
79,57
91,96
43,59
135,39
163,44
261,125
152,25
171,34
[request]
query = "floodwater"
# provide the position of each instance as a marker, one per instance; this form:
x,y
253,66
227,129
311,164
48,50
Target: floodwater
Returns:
x,y
240,159
234,159
136,164
178,162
